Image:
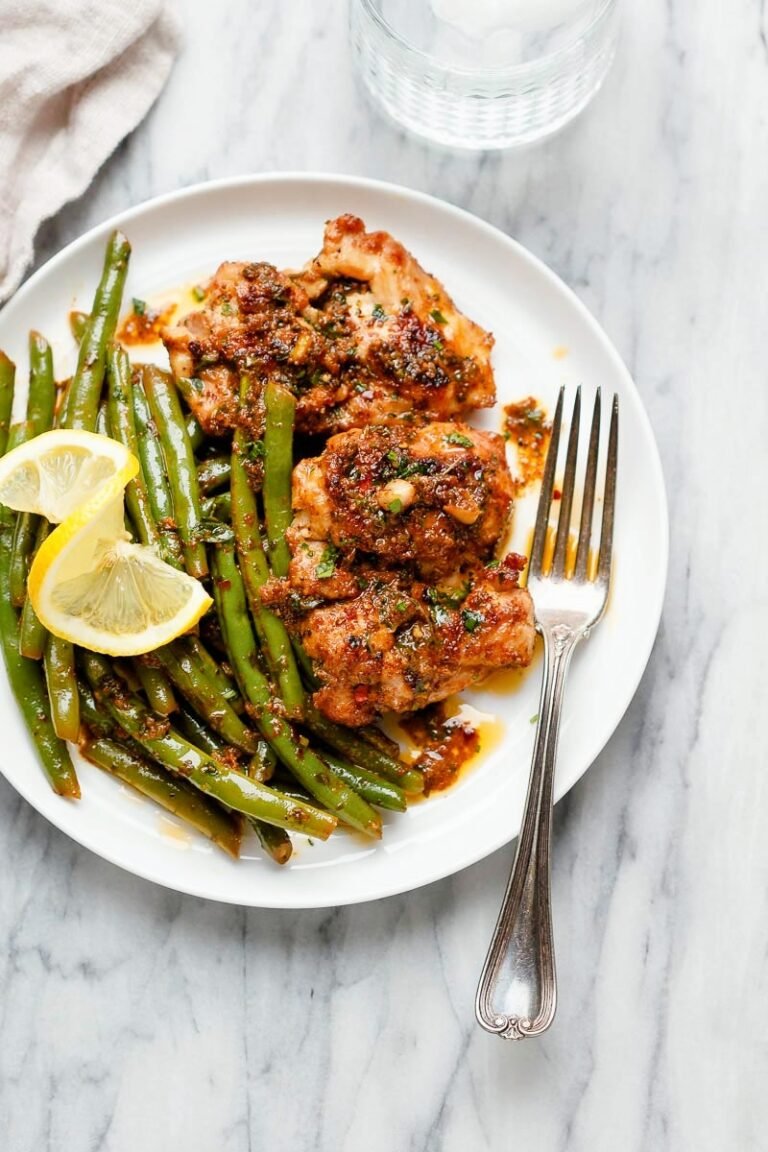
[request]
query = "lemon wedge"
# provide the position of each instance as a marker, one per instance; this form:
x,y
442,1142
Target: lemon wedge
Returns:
x,y
88,582
55,473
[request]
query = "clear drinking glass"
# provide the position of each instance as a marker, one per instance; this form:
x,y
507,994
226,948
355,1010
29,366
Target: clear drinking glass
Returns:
x,y
483,73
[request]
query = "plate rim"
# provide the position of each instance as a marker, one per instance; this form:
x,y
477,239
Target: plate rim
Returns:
x,y
656,477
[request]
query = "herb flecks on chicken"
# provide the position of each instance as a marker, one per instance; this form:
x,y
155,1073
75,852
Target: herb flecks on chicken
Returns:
x,y
361,335
251,324
436,496
388,587
404,346
401,644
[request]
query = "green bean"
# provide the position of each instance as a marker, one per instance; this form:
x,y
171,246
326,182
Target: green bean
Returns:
x,y
85,390
275,841
59,663
42,387
155,478
375,789
270,629
171,793
311,679
168,748
25,528
345,741
378,739
40,406
32,634
204,696
218,507
97,722
261,765
102,421
278,469
212,670
213,474
197,733
301,761
7,379
156,685
24,536
179,465
127,673
27,685
122,423
25,676
195,432
263,762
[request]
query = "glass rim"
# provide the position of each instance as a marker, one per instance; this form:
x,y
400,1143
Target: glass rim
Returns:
x,y
495,70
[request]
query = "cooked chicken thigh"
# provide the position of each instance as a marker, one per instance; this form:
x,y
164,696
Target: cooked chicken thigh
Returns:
x,y
436,495
400,645
407,347
362,335
387,587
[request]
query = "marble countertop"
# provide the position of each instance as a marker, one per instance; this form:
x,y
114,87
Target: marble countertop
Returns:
x,y
134,1018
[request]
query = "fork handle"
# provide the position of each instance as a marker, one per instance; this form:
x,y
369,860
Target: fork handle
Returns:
x,y
521,960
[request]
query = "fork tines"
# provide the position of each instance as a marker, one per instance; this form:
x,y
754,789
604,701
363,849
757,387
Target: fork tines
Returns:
x,y
559,568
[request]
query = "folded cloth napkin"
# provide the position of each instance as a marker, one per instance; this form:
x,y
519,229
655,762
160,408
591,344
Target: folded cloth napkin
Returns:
x,y
75,78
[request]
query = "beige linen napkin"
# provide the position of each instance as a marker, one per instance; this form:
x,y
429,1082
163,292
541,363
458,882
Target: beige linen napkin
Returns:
x,y
76,76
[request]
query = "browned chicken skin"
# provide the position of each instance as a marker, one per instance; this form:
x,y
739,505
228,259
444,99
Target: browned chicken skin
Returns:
x,y
435,495
400,644
409,348
361,335
387,586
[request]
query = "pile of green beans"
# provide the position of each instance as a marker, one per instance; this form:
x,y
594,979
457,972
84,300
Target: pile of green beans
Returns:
x,y
219,728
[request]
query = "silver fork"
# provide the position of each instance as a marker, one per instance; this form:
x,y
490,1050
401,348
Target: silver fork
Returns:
x,y
566,609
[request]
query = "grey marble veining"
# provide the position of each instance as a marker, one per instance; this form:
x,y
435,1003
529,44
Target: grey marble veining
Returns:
x,y
134,1018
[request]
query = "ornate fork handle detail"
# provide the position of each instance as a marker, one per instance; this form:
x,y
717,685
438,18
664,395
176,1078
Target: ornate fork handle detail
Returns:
x,y
521,955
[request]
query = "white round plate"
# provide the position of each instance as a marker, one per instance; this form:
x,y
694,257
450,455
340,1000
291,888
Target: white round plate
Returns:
x,y
544,338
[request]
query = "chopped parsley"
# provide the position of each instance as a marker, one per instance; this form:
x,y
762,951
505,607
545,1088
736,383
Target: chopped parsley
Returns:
x,y
378,312
401,606
139,307
395,505
452,598
472,620
198,293
459,439
534,719
327,565
255,450
437,316
226,308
